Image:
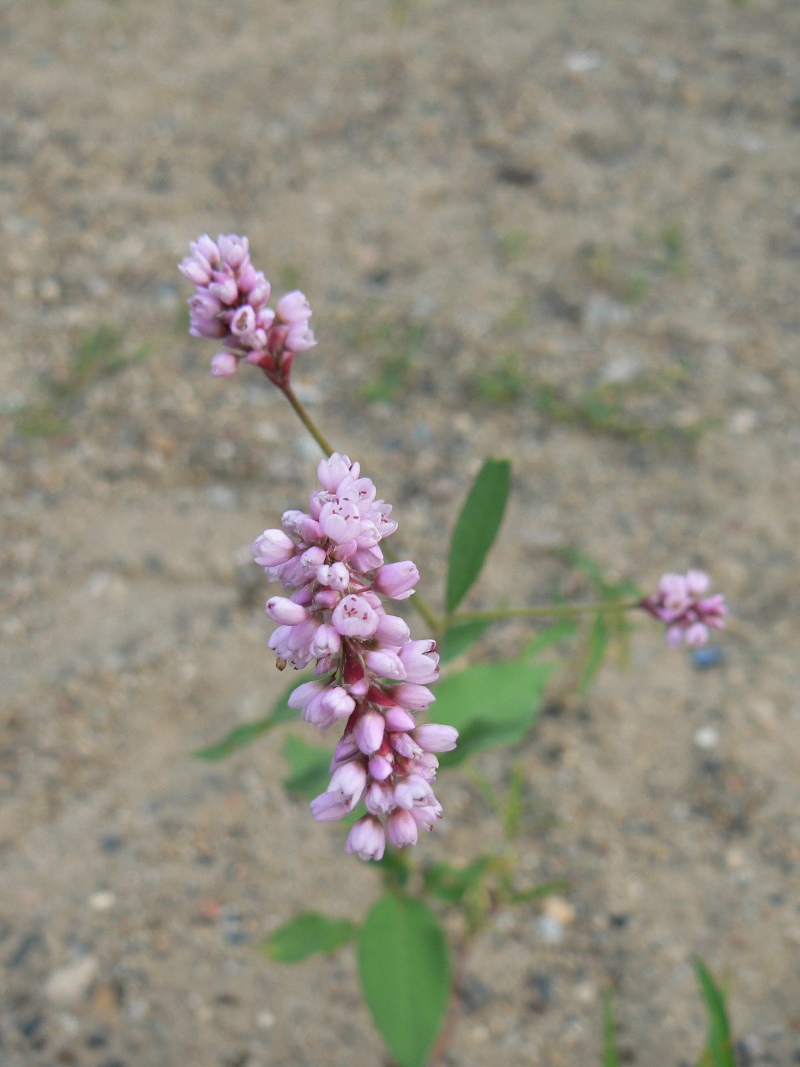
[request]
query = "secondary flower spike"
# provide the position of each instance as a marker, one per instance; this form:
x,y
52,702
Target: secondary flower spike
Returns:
x,y
230,304
371,675
681,603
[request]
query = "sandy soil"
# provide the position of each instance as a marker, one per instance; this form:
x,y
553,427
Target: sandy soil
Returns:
x,y
594,196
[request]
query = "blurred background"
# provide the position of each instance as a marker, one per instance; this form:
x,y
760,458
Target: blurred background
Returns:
x,y
567,233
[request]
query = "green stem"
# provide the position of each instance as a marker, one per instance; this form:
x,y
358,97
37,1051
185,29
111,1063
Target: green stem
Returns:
x,y
306,419
426,614
542,611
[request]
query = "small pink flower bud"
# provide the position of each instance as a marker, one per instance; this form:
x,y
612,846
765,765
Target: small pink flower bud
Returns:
x,y
385,664
233,249
398,719
349,781
338,702
223,365
294,308
304,694
397,580
412,696
285,612
435,738
401,828
369,732
380,768
392,630
272,548
379,798
328,807
326,642
367,839
421,661
224,289
405,745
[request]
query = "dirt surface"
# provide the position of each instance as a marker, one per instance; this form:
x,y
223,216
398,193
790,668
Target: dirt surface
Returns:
x,y
520,212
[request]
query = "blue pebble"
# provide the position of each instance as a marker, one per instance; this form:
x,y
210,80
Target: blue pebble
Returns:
x,y
703,658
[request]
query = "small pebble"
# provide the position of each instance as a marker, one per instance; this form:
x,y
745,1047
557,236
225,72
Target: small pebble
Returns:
x,y
582,62
69,984
102,901
703,658
707,737
265,1020
550,930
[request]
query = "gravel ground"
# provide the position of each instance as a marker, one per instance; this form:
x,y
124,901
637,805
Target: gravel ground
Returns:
x,y
519,212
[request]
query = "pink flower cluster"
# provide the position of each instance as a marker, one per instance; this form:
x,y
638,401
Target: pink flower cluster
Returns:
x,y
681,603
371,675
231,304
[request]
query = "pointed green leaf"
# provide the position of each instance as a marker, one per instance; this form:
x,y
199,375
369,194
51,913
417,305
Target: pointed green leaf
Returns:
x,y
306,935
309,767
248,732
404,967
719,1049
490,704
459,637
477,528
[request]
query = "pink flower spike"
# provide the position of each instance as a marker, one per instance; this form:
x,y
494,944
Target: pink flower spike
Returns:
x,y
367,839
223,365
678,605
397,580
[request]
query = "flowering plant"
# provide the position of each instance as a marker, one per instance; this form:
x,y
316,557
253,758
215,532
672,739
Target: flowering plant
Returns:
x,y
371,677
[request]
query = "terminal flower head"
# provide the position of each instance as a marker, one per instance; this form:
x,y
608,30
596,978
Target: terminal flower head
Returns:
x,y
230,305
688,613
370,675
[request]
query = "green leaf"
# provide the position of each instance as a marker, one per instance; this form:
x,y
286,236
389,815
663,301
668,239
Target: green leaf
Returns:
x,y
477,528
490,704
309,767
450,884
243,735
595,651
404,967
553,635
306,935
719,1048
610,1057
459,637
